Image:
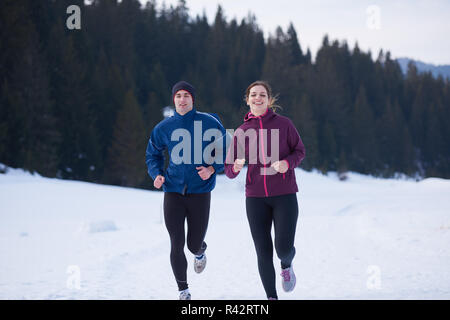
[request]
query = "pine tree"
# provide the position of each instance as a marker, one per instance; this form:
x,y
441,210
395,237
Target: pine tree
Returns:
x,y
294,46
40,136
307,127
330,95
127,152
79,149
394,142
328,149
26,116
364,147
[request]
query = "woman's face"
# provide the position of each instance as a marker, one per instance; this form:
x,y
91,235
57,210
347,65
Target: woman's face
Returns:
x,y
258,100
183,102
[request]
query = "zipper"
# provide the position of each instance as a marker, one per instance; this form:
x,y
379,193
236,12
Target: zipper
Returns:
x,y
284,176
261,140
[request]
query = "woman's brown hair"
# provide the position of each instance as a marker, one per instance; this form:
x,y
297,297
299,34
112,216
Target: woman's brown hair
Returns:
x,y
272,98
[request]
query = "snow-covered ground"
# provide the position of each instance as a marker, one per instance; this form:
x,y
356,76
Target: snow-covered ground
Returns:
x,y
364,238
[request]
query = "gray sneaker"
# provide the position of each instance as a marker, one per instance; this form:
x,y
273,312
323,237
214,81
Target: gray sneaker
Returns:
x,y
200,263
288,279
185,295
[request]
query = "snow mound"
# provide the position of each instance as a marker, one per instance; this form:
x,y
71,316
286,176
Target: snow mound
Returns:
x,y
435,182
99,226
4,169
12,175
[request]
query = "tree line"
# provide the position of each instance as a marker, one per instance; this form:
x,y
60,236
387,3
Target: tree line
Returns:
x,y
80,104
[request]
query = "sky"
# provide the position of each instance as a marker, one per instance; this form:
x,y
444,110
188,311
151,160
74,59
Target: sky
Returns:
x,y
417,29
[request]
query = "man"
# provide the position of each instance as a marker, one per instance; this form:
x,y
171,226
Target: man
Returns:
x,y
189,179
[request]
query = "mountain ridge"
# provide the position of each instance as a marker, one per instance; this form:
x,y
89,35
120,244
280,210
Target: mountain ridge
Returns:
x,y
436,70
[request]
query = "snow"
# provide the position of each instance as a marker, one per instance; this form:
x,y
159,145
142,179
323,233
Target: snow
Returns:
x,y
364,238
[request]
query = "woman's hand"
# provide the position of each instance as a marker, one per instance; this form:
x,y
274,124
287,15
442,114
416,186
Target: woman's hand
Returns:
x,y
238,165
205,172
159,180
280,166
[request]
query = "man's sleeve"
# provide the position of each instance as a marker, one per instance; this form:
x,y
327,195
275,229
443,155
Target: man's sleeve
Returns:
x,y
221,150
154,155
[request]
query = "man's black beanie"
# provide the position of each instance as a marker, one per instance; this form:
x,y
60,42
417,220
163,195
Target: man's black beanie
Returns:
x,y
183,85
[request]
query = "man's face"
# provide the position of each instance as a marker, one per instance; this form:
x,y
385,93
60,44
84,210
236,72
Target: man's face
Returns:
x,y
183,102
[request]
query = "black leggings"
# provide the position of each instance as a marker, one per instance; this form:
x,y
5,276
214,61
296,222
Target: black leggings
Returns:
x,y
283,212
194,208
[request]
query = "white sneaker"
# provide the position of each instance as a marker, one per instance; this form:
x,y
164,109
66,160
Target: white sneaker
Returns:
x,y
200,263
288,279
185,295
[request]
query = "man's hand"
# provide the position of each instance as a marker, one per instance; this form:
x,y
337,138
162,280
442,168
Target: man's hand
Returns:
x,y
159,180
205,172
280,166
238,165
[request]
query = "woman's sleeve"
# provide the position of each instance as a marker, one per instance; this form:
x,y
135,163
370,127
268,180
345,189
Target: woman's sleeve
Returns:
x,y
296,146
220,146
231,156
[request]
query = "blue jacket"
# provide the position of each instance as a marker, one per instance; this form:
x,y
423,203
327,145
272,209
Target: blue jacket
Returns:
x,y
190,144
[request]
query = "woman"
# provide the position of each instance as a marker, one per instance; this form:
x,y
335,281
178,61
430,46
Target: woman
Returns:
x,y
188,180
270,185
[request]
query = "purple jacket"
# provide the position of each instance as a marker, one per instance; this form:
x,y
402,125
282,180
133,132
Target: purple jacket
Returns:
x,y
259,149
